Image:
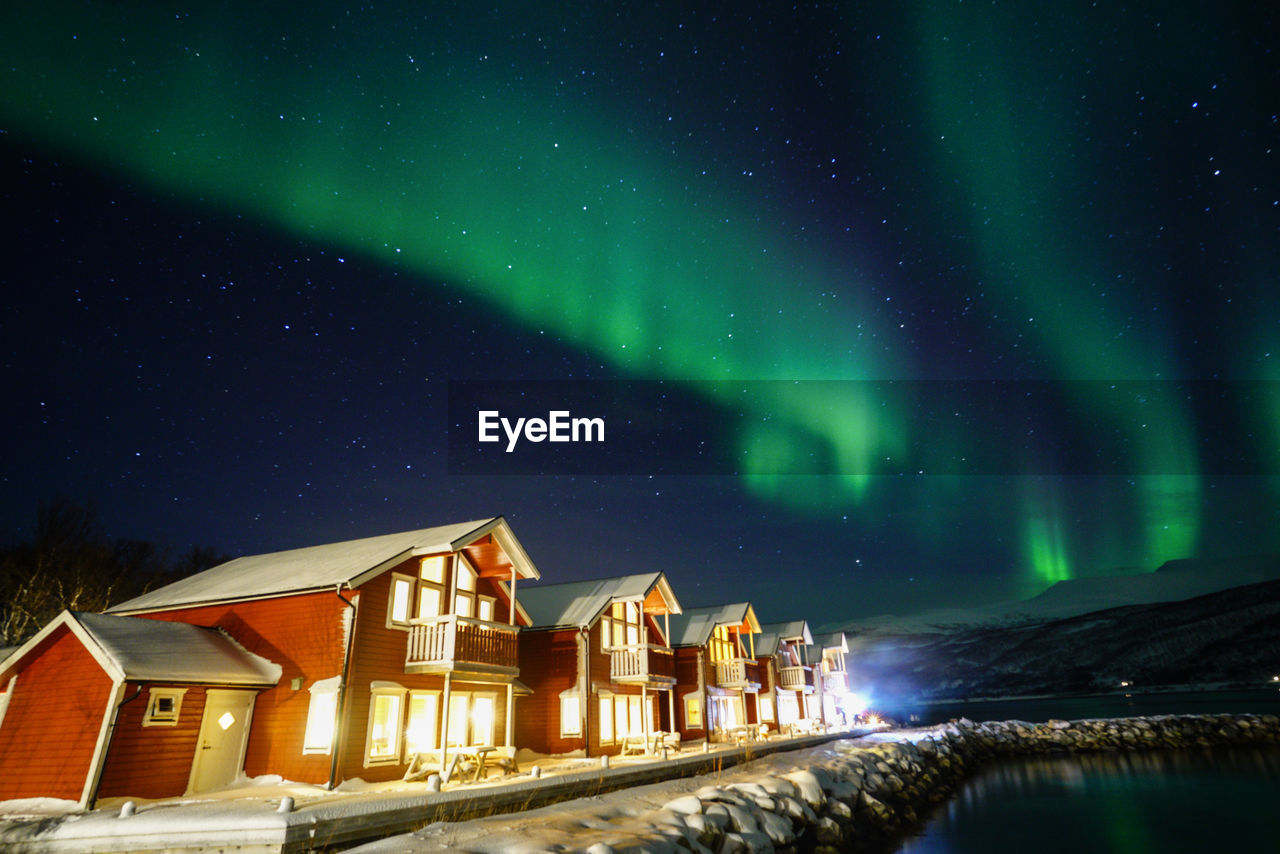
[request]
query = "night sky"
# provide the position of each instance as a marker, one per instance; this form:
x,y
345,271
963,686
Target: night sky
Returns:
x,y
248,247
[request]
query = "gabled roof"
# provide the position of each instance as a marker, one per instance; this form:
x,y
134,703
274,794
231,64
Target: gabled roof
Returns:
x,y
795,630
145,650
694,626
577,604
831,641
349,563
767,644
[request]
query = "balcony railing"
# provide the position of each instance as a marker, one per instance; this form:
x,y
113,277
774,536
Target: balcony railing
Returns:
x,y
642,663
835,682
737,673
456,643
798,678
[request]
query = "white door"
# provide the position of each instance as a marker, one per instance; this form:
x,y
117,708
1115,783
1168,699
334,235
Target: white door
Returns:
x,y
224,730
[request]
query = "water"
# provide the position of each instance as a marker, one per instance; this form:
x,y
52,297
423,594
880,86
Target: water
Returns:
x,y
1265,701
1173,801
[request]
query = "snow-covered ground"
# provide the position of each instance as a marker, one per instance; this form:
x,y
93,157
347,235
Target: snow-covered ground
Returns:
x,y
253,815
579,821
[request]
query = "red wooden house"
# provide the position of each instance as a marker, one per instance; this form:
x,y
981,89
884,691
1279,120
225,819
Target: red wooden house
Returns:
x,y
717,677
598,660
829,650
101,705
387,647
786,676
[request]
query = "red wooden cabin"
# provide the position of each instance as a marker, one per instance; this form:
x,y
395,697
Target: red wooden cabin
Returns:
x,y
598,660
717,677
98,705
785,694
388,647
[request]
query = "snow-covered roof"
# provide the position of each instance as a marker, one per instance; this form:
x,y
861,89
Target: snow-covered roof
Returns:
x,y
145,650
795,630
576,604
831,641
324,567
767,644
694,626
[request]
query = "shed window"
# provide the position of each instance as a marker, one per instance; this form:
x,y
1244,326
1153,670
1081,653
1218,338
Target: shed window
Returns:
x,y
163,707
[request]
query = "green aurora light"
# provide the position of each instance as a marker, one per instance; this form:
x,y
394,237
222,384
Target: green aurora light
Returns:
x,y
561,214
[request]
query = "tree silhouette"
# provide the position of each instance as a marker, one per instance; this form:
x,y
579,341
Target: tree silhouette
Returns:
x,y
70,563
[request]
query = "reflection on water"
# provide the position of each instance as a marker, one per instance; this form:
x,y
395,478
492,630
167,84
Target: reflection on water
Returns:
x,y
1265,701
1159,801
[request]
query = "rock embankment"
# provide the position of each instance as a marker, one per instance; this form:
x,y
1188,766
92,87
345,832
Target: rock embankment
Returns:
x,y
863,797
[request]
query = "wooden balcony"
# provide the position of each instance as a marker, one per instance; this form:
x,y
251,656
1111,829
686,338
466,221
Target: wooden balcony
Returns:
x,y
452,643
796,679
642,664
738,673
835,682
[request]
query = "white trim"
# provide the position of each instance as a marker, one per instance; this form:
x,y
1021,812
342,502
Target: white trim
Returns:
x,y
571,694
409,607
149,719
385,689
328,588
66,618
321,688
5,695
244,738
100,749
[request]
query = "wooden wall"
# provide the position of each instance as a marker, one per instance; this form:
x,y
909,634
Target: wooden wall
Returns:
x,y
154,761
50,730
304,635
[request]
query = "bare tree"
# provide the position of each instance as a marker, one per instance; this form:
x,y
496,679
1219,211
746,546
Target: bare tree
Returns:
x,y
70,563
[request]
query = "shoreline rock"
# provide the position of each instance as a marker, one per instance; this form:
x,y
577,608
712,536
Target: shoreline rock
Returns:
x,y
869,796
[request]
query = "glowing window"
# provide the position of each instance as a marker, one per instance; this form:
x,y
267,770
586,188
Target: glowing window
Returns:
x,y
693,712
570,715
606,719
385,720
424,714
321,716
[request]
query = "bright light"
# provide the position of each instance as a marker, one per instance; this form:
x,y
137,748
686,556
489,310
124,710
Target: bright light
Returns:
x,y
854,704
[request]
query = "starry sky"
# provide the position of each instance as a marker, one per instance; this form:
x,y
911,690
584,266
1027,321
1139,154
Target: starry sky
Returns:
x,y
248,249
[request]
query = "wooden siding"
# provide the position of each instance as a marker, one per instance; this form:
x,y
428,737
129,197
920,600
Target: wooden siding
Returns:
x,y
548,665
304,635
379,655
152,761
51,727
687,682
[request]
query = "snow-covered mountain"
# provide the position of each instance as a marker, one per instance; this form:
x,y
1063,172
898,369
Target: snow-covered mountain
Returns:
x,y
1225,638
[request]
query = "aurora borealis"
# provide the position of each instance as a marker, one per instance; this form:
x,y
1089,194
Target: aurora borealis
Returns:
x,y
275,235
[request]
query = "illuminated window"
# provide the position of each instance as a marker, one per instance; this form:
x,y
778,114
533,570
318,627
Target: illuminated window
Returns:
x,y
424,716
486,608
471,719
423,597
385,720
164,707
464,602
692,711
321,716
570,714
723,644
606,718
621,626
766,709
